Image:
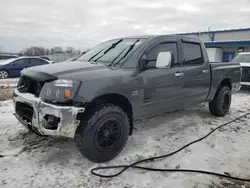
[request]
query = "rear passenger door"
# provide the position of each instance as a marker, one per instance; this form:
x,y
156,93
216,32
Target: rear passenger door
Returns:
x,y
196,72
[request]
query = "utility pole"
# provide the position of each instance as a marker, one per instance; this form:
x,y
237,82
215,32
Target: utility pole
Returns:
x,y
209,34
209,27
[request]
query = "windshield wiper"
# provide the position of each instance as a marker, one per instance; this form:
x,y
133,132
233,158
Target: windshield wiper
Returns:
x,y
130,48
96,54
111,47
117,56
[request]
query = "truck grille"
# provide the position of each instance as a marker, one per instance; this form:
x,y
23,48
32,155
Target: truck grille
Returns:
x,y
245,74
29,85
25,112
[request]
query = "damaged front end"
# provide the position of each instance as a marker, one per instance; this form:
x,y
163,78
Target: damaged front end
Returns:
x,y
46,107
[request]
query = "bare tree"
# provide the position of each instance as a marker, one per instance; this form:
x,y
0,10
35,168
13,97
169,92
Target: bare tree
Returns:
x,y
78,51
38,51
58,49
47,51
70,50
34,51
52,51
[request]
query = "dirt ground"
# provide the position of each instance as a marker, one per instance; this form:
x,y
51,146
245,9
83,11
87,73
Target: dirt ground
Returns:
x,y
28,160
5,93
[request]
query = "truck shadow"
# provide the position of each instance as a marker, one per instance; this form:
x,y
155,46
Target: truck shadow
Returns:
x,y
199,112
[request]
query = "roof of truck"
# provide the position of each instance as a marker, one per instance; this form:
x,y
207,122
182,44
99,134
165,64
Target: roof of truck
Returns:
x,y
157,36
151,36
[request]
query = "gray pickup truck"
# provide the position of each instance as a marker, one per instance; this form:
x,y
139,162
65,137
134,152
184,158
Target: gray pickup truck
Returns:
x,y
96,99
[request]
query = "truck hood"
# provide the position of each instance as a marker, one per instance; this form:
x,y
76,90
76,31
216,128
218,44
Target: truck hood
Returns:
x,y
245,64
77,70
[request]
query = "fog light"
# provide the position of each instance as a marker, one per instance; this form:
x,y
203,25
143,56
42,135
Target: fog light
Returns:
x,y
51,122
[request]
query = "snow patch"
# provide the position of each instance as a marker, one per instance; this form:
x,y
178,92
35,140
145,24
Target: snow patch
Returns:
x,y
55,162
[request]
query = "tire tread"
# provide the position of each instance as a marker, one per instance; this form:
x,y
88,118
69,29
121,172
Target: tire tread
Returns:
x,y
86,125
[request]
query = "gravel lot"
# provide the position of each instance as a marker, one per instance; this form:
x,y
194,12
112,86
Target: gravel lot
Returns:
x,y
32,161
5,93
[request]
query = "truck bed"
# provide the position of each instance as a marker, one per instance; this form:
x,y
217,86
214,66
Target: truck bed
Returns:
x,y
219,71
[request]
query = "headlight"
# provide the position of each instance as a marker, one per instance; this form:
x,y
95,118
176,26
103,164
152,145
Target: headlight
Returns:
x,y
61,90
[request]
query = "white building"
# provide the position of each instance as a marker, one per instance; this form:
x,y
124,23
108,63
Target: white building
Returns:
x,y
223,45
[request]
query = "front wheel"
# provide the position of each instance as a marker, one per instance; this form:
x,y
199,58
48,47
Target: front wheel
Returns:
x,y
102,135
220,105
3,74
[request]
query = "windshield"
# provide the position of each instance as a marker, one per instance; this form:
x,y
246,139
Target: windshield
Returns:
x,y
112,52
243,58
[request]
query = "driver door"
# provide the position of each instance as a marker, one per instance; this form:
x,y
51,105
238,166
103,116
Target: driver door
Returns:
x,y
163,88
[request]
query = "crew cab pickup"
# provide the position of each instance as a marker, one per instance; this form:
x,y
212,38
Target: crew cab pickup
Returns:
x,y
96,99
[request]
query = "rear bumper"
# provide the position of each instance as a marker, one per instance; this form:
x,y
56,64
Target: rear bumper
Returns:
x,y
67,115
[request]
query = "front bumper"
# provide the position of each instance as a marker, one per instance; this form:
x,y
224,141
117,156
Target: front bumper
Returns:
x,y
245,83
67,115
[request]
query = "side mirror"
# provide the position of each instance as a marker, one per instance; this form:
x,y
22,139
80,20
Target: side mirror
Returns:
x,y
164,60
143,63
13,64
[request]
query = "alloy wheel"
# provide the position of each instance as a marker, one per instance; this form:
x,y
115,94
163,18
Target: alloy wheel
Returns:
x,y
3,74
108,135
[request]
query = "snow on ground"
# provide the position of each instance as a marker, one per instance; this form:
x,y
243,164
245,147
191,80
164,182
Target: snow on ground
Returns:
x,y
33,161
9,82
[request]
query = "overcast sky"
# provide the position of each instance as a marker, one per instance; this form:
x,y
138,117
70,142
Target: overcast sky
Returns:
x,y
84,23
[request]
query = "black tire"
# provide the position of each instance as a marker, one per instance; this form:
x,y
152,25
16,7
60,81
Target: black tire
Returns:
x,y
220,105
87,134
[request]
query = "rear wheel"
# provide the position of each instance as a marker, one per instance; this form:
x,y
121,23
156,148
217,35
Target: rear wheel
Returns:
x,y
220,105
102,135
4,74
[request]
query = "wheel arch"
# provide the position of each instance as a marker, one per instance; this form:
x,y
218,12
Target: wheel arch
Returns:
x,y
223,82
118,100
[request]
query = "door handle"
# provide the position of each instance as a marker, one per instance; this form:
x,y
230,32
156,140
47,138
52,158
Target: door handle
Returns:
x,y
204,71
178,74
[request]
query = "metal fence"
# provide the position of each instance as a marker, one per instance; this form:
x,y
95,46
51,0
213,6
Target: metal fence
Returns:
x,y
58,57
62,56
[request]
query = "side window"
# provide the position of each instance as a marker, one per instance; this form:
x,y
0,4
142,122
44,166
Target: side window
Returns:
x,y
42,62
164,47
192,54
35,62
22,62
